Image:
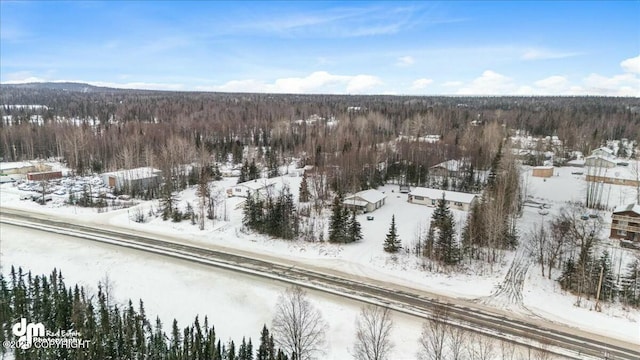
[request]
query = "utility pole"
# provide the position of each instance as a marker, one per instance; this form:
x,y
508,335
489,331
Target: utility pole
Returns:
x,y
599,287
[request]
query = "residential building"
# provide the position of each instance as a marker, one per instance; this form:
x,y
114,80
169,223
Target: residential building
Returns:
x,y
250,188
599,161
603,152
449,168
365,201
455,200
625,223
619,175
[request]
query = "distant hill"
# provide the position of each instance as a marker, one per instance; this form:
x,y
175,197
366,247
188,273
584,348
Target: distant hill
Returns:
x,y
61,86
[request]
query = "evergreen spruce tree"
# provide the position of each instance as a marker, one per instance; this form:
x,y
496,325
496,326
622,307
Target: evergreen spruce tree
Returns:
x,y
244,172
354,230
495,165
303,194
272,163
253,173
266,347
446,248
231,351
429,243
392,241
338,222
568,277
630,291
608,288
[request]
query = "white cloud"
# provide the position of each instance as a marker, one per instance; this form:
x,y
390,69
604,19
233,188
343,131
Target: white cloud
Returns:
x,y
618,85
316,82
136,85
452,83
631,65
552,82
421,84
489,83
545,54
405,61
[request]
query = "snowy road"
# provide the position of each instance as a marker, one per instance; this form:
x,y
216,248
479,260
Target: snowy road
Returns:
x,y
562,340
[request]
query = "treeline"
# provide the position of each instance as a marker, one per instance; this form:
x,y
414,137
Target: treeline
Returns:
x,y
274,215
113,331
116,129
569,243
490,228
594,278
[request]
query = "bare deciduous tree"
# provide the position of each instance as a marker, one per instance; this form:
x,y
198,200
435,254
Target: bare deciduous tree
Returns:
x,y
457,342
373,332
298,327
507,350
434,335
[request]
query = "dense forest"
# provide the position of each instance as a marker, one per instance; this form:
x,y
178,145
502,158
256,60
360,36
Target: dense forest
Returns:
x,y
107,330
98,129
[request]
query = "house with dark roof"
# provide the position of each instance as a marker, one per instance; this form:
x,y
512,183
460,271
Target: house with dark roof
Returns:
x,y
449,168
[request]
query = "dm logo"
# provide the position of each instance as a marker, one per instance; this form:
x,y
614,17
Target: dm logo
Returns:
x,y
26,332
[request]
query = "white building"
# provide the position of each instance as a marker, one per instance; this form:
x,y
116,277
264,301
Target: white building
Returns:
x,y
430,197
365,201
602,151
600,161
251,187
139,178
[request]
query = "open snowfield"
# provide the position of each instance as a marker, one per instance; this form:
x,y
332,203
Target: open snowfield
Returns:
x,y
541,297
237,305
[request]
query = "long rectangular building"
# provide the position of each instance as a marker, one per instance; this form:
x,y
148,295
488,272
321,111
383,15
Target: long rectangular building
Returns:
x,y
430,197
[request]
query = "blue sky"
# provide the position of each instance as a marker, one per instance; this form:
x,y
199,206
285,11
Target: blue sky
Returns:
x,y
362,47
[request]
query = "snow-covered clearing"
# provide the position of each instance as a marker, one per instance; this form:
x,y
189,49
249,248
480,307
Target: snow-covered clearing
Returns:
x,y
237,305
540,297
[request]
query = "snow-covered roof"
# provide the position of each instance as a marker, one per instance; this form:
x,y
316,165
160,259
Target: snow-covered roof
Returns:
x,y
630,207
448,195
14,165
134,174
355,202
605,158
605,149
543,167
371,195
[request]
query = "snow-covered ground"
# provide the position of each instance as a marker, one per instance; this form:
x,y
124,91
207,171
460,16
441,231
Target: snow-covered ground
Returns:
x,y
541,297
237,305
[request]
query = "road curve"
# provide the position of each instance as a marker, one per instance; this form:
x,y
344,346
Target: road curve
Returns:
x,y
560,340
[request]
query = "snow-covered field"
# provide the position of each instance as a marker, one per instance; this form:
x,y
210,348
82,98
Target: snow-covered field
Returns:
x,y
541,297
237,305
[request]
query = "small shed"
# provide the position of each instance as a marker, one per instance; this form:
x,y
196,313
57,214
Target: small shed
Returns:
x,y
543,171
